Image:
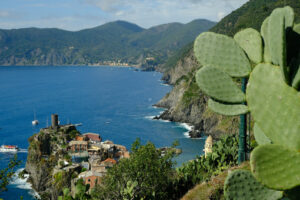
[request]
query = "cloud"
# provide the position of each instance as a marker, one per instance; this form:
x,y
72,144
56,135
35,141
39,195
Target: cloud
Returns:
x,y
153,12
221,15
79,14
108,5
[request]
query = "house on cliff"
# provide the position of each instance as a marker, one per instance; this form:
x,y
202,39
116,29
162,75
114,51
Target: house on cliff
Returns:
x,y
90,177
93,137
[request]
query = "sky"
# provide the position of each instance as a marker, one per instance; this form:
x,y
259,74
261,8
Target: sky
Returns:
x,y
80,14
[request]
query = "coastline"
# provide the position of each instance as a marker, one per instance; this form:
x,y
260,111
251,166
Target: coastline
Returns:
x,y
79,65
188,127
22,183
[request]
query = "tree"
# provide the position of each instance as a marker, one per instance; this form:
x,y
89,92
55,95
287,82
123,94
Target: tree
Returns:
x,y
145,175
7,173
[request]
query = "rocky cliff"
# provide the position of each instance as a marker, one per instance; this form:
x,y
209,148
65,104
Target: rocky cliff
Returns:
x,y
186,103
46,151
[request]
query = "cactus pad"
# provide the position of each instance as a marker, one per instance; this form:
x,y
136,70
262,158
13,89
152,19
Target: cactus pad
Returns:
x,y
297,28
219,85
241,185
296,80
276,166
289,16
274,106
264,33
250,40
222,52
259,135
277,42
227,109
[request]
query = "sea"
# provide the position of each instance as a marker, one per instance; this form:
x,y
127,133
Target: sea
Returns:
x,y
116,102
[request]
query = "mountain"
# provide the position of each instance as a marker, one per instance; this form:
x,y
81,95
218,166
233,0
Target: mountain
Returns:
x,y
118,41
186,103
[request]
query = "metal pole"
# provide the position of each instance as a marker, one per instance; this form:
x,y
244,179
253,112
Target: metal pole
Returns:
x,y
242,131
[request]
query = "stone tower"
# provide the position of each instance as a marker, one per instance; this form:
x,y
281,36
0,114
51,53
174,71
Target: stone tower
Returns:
x,y
208,145
54,121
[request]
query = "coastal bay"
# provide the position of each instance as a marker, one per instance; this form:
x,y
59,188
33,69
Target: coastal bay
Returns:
x,y
114,102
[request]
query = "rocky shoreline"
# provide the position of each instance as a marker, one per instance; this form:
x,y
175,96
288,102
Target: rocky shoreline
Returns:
x,y
185,103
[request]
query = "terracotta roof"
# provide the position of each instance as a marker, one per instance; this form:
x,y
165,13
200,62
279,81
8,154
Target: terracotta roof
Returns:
x,y
110,160
79,138
93,136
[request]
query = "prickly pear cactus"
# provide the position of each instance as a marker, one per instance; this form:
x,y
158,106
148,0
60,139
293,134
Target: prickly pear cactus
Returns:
x,y
227,109
219,85
260,136
272,96
279,118
241,185
222,52
250,40
277,42
276,166
264,33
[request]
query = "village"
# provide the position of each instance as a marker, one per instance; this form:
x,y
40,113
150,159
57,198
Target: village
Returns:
x,y
91,156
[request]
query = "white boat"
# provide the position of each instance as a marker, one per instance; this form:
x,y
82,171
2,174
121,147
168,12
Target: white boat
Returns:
x,y
9,148
35,122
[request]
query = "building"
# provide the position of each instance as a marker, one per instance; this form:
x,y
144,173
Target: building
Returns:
x,y
90,177
102,166
208,145
94,150
93,137
81,138
78,146
109,162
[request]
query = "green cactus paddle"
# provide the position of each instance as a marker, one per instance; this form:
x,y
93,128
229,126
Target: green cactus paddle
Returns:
x,y
227,109
222,52
274,106
276,166
241,185
259,135
250,40
219,85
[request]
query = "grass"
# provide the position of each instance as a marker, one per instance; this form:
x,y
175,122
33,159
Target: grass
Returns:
x,y
212,189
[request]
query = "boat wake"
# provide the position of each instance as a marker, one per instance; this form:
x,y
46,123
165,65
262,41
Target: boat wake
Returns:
x,y
23,151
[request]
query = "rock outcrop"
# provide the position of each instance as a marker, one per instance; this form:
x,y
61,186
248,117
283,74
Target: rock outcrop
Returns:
x,y
186,103
46,148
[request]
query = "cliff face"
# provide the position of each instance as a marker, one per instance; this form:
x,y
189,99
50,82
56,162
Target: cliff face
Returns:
x,y
45,150
186,103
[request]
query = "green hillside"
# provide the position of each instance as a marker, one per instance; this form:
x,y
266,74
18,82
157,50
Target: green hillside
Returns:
x,y
251,14
118,41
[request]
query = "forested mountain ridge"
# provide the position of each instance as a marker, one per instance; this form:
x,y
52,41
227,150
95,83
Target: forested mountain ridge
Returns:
x,y
118,42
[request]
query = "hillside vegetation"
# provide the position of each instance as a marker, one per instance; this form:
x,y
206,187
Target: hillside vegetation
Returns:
x,y
118,41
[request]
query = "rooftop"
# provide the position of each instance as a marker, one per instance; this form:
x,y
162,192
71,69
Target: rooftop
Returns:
x,y
89,173
93,136
110,160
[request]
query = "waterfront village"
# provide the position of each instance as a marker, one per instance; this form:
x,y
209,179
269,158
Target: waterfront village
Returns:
x,y
89,154
62,156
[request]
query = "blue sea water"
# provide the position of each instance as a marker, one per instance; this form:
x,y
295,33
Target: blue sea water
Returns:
x,y
113,101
